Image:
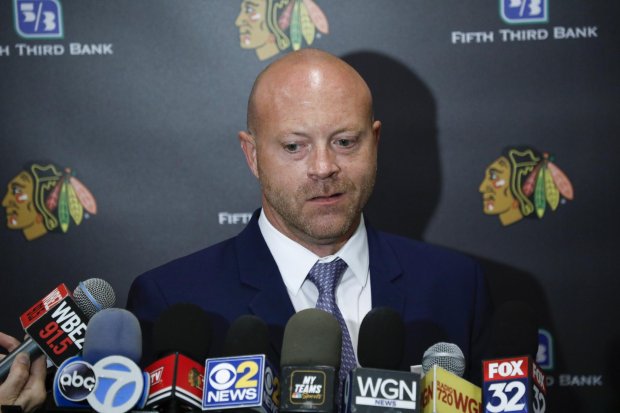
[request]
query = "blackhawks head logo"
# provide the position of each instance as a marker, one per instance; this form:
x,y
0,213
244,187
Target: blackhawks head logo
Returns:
x,y
270,26
523,182
43,198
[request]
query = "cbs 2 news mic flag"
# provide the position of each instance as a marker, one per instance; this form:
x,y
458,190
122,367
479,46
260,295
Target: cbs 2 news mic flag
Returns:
x,y
513,385
56,324
369,390
241,382
114,384
444,392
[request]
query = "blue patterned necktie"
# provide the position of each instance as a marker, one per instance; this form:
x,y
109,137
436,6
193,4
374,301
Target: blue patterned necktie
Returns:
x,y
326,277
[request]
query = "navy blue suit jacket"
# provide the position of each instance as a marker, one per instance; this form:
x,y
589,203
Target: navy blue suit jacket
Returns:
x,y
441,294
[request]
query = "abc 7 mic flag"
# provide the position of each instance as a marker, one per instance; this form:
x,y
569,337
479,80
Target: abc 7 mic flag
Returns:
x,y
114,384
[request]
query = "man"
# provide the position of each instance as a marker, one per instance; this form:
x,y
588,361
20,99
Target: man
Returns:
x,y
25,384
312,144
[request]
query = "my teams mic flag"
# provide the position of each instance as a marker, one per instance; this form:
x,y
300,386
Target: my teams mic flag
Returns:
x,y
515,385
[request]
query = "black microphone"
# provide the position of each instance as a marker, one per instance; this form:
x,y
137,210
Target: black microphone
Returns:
x,y
181,340
243,379
310,360
512,381
377,386
56,325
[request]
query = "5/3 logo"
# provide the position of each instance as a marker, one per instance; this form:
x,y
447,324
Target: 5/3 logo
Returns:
x,y
38,19
120,385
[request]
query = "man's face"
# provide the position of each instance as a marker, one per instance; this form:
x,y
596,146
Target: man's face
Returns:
x,y
495,188
18,202
252,24
316,159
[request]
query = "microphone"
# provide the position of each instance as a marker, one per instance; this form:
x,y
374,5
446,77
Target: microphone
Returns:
x,y
56,325
512,381
310,360
244,379
443,389
181,336
106,376
377,386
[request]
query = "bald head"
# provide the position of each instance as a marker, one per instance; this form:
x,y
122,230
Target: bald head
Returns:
x,y
300,74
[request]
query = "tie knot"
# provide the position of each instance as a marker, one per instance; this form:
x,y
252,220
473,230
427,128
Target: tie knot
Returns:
x,y
325,275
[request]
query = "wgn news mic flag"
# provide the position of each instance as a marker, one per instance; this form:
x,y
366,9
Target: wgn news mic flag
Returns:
x,y
369,390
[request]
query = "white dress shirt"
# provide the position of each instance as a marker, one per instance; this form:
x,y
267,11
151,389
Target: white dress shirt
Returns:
x,y
295,261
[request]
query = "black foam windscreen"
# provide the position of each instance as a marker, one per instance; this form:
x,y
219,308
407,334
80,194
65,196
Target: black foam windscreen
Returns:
x,y
183,328
248,334
514,330
113,332
312,337
381,339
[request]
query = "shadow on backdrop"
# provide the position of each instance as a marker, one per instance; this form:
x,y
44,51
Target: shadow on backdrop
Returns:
x,y
408,178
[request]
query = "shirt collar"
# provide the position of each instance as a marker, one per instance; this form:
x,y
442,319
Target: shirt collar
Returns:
x,y
295,261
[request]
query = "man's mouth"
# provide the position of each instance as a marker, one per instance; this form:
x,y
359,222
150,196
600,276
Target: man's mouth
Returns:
x,y
327,199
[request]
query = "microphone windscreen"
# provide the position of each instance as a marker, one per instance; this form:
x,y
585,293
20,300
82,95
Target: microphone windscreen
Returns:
x,y
184,328
312,337
381,339
94,295
514,330
113,332
247,335
447,356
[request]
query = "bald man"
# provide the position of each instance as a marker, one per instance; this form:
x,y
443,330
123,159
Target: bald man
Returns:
x,y
312,142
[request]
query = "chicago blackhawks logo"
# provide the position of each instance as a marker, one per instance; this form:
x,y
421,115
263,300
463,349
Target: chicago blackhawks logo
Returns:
x,y
43,198
522,182
271,26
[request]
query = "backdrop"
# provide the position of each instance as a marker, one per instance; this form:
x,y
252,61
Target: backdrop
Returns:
x,y
499,140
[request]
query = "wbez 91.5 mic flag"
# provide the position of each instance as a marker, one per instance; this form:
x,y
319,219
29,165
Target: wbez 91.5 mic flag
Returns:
x,y
377,386
56,325
244,379
106,377
443,389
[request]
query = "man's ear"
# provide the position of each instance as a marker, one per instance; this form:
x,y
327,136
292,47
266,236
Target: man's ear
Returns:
x,y
376,129
248,146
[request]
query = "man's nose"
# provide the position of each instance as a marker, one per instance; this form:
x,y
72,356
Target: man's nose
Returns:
x,y
323,163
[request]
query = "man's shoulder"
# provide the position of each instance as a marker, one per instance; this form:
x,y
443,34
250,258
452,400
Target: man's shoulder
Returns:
x,y
412,252
215,259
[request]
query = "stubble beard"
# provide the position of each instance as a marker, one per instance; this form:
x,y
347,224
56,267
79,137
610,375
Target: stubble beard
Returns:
x,y
322,224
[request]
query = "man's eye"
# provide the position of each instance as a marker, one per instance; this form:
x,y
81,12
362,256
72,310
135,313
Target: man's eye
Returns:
x,y
493,176
291,147
344,143
17,190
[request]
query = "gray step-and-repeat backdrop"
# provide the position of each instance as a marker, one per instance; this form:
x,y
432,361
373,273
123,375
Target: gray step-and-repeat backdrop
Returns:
x,y
118,125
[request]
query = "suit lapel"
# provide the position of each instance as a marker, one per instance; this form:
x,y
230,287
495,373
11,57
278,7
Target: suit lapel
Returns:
x,y
385,273
258,269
